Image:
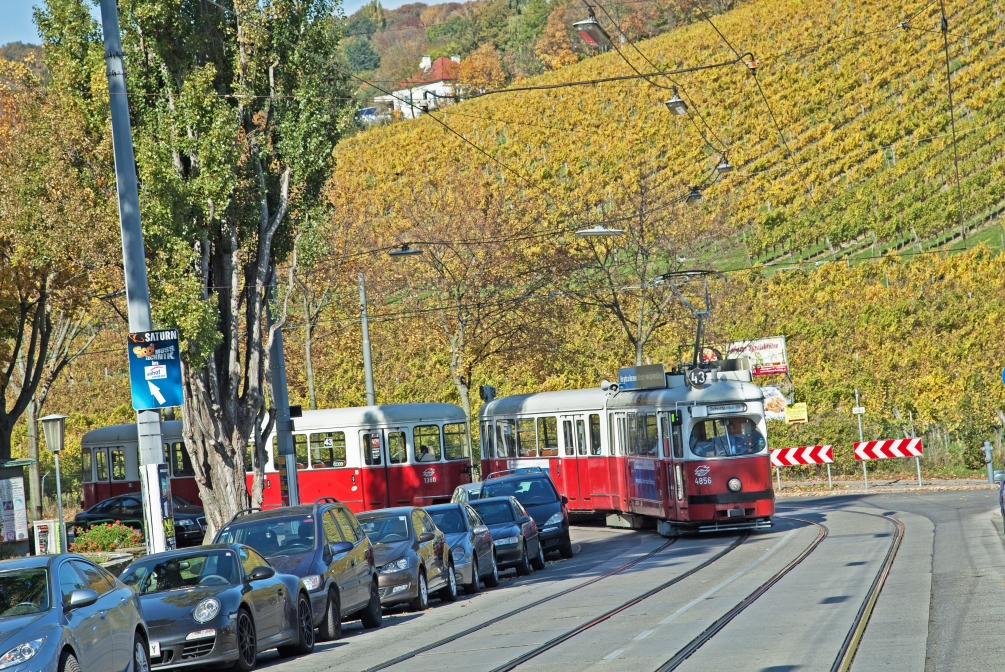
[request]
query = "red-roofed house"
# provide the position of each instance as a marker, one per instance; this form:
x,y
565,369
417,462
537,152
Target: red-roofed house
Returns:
x,y
420,92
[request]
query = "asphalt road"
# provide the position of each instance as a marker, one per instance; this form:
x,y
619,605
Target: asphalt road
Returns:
x,y
942,606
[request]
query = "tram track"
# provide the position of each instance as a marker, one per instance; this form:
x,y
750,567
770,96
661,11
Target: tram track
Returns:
x,y
515,612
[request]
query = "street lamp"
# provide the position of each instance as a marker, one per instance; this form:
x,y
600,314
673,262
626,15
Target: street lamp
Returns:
x,y
724,166
694,195
592,32
53,426
676,104
403,251
598,231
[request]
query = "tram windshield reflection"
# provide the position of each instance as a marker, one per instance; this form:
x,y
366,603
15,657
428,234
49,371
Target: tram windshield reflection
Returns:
x,y
726,437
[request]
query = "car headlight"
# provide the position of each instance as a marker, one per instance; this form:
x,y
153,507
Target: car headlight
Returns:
x,y
205,610
186,524
554,520
21,653
396,566
734,485
312,582
459,554
506,541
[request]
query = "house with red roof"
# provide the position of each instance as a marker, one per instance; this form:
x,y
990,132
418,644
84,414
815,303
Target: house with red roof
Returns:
x,y
431,87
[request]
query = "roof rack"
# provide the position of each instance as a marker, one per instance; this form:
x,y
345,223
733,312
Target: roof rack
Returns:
x,y
243,512
521,470
325,500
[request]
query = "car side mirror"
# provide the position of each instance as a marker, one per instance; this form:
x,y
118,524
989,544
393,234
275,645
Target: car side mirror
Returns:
x,y
565,500
337,548
426,536
81,598
523,520
260,573
481,529
999,476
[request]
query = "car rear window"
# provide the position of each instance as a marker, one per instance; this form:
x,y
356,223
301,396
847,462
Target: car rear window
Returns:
x,y
272,536
448,520
494,512
528,491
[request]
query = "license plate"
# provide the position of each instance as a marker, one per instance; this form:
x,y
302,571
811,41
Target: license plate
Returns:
x,y
155,649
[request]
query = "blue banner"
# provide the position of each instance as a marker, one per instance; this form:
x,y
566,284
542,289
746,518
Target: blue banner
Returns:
x,y
155,369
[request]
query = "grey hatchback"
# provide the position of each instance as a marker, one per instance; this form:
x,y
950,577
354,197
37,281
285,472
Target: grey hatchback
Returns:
x,y
67,614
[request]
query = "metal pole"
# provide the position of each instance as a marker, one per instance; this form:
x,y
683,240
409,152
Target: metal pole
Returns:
x,y
987,462
367,363
778,471
917,463
830,483
284,425
865,472
148,423
59,508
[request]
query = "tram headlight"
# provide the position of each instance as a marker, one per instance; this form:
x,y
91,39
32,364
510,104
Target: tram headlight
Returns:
x,y
734,485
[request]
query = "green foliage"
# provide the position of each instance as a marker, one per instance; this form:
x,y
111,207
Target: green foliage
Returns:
x,y
361,55
106,537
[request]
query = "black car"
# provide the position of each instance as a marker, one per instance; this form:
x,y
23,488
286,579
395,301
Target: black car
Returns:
x,y
325,546
514,533
217,604
534,489
189,521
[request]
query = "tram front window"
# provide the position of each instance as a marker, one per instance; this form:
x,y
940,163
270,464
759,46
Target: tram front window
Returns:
x,y
726,437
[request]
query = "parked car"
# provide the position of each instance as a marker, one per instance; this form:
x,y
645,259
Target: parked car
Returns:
x,y
218,604
535,490
189,521
324,545
470,545
466,493
62,613
412,555
514,533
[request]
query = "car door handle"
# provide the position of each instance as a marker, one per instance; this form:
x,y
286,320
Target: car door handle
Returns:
x,y
102,614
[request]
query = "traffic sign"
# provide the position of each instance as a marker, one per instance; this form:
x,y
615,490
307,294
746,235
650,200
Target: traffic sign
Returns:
x,y
789,457
155,369
858,410
888,448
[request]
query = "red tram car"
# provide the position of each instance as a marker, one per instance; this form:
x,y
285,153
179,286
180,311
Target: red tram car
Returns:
x,y
691,456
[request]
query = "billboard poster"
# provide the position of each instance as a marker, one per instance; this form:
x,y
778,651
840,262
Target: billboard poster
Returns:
x,y
14,513
775,403
767,355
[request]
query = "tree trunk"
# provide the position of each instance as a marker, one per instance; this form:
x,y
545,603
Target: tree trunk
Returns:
x,y
34,475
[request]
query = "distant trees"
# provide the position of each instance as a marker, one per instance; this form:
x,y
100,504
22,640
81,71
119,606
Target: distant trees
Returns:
x,y
554,47
361,55
482,70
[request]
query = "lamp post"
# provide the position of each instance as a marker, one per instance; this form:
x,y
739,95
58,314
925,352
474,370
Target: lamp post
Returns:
x,y
371,398
598,231
53,427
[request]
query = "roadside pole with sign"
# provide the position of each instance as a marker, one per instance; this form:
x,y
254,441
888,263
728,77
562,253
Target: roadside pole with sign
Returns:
x,y
858,411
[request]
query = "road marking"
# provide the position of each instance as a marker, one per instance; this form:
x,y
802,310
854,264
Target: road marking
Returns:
x,y
614,654
728,581
643,635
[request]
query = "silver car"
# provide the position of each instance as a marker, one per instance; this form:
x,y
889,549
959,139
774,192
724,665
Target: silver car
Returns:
x,y
62,613
470,545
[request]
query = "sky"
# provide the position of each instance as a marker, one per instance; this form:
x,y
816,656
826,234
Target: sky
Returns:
x,y
16,24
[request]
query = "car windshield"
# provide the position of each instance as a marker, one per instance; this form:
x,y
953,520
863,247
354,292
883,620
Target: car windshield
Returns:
x,y
385,529
156,575
448,520
528,491
272,536
494,512
24,591
726,437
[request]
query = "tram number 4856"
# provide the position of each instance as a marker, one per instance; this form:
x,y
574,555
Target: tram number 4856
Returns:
x,y
703,480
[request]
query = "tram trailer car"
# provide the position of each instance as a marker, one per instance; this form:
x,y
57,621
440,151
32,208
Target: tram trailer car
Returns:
x,y
689,458
368,457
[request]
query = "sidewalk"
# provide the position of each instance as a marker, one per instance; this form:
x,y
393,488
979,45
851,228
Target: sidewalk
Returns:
x,y
879,485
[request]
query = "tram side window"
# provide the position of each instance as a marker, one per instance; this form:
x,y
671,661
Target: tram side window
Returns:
x,y
101,465
634,441
726,437
595,448
455,441
547,435
300,450
581,436
506,444
678,442
426,443
371,449
397,450
488,442
526,438
665,430
181,463
86,470
328,450
650,444
249,457
118,464
570,446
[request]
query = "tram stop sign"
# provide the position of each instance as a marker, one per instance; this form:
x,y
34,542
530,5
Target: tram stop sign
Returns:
x,y
155,369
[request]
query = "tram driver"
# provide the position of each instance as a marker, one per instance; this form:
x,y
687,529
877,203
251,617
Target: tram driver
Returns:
x,y
726,437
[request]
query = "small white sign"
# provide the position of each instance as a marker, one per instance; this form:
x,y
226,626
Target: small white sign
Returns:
x,y
155,372
155,649
858,410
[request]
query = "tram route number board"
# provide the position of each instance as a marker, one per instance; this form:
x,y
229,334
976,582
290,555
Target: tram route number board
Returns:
x,y
790,457
888,448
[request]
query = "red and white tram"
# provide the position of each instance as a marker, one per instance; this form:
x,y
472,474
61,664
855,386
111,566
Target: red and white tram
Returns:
x,y
692,457
368,457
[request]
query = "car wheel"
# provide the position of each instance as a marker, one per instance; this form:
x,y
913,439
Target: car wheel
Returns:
x,y
492,579
476,581
421,599
141,654
68,663
305,630
373,615
247,643
523,567
449,593
331,626
538,561
566,549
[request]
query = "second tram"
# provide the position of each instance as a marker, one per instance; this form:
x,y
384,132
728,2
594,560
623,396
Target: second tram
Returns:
x,y
693,457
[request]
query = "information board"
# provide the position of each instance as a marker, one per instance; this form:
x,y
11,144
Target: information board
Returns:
x,y
155,369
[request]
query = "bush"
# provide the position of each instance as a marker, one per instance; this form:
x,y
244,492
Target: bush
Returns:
x,y
106,537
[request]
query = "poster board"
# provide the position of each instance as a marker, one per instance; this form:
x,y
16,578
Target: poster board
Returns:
x,y
13,512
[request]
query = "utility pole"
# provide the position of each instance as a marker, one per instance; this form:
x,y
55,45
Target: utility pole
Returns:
x,y
284,425
367,363
148,422
865,472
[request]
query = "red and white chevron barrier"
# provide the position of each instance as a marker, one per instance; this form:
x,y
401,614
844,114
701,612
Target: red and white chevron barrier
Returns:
x,y
887,449
790,457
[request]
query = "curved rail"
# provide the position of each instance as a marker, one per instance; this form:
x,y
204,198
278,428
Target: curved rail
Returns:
x,y
464,633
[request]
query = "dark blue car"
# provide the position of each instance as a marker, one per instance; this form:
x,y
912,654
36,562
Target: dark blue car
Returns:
x,y
534,489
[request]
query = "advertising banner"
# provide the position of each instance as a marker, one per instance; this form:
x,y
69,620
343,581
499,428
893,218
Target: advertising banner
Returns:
x,y
649,377
796,413
155,369
767,355
775,403
14,513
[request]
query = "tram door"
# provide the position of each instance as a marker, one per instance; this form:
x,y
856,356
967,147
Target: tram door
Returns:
x,y
102,475
375,490
673,455
577,476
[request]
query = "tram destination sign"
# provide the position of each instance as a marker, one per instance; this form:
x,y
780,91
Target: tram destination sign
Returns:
x,y
155,369
650,377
